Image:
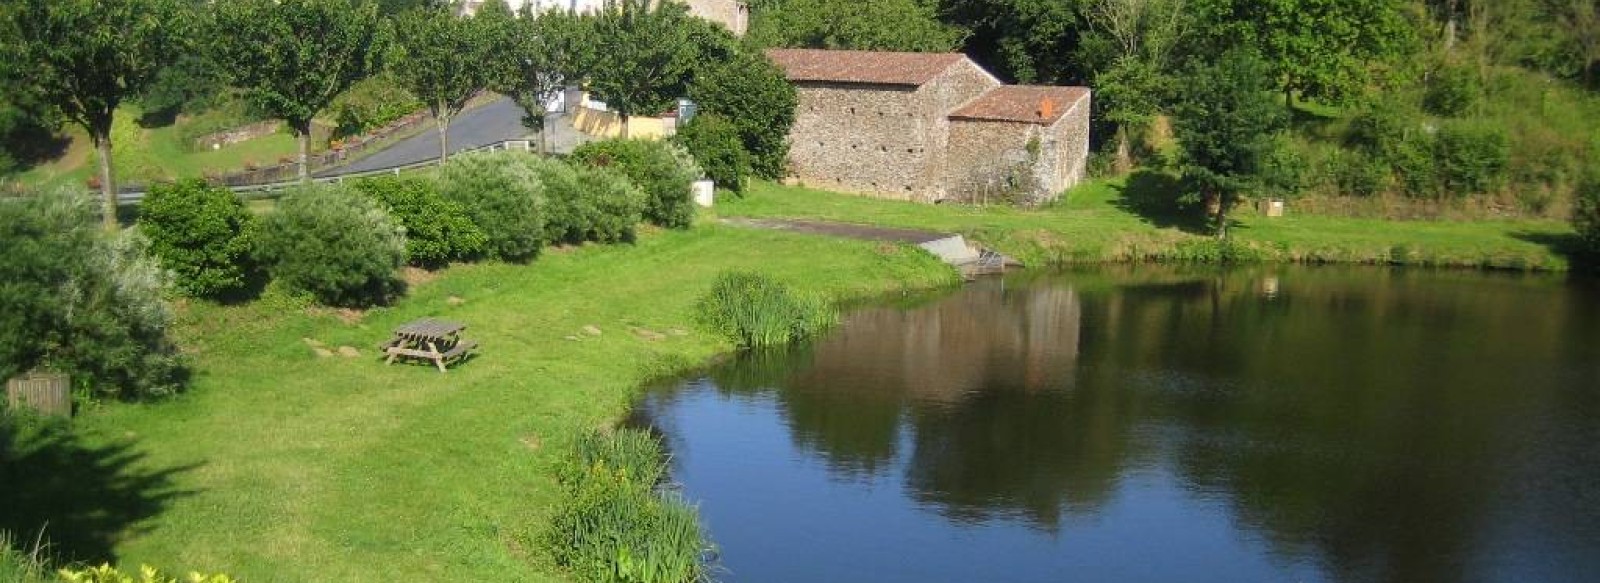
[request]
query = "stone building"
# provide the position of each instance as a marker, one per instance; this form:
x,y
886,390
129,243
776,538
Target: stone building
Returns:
x,y
930,127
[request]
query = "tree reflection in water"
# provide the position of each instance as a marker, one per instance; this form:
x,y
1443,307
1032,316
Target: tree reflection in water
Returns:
x,y
1385,425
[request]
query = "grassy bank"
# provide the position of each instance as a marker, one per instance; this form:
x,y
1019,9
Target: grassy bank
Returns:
x,y
280,465
1108,221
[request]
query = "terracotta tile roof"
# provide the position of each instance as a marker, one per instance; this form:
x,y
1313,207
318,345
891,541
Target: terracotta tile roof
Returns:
x,y
1022,103
876,67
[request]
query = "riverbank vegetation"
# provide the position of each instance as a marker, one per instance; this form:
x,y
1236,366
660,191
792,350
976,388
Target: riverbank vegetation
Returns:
x,y
1115,220
755,311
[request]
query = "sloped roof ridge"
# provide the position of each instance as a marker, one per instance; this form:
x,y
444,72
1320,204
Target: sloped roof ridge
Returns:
x,y
870,67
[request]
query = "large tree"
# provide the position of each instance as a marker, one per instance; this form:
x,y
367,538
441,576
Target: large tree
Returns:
x,y
643,58
881,25
1141,37
443,60
1030,41
1227,124
526,59
84,57
292,57
1321,49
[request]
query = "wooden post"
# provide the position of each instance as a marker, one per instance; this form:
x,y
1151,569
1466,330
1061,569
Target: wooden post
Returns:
x,y
45,393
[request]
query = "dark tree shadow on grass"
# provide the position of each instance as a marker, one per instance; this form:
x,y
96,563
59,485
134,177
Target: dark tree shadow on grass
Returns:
x,y
1153,196
1567,245
84,498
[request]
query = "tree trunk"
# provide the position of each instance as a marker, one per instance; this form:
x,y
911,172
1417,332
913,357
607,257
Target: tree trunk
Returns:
x,y
444,138
1124,163
544,141
624,118
108,189
302,131
1288,97
1222,220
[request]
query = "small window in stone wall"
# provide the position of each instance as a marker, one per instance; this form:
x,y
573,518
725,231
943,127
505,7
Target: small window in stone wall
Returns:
x,y
852,111
883,148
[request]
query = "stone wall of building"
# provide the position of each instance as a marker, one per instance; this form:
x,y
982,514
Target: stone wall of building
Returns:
x,y
992,160
885,140
730,13
874,139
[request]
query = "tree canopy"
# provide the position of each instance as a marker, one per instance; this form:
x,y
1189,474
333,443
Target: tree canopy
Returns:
x,y
886,25
442,59
292,57
83,58
1227,124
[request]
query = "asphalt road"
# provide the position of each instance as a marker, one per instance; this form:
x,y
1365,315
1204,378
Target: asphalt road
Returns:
x,y
496,122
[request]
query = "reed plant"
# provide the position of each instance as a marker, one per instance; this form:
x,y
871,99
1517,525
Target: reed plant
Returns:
x,y
23,564
614,526
754,311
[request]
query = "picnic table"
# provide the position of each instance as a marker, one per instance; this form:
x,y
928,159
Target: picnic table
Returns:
x,y
438,341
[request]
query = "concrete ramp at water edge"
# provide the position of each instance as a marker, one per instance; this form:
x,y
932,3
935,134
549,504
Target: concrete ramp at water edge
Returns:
x,y
972,260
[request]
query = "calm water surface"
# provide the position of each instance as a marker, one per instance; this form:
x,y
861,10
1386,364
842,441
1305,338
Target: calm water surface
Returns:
x,y
1294,425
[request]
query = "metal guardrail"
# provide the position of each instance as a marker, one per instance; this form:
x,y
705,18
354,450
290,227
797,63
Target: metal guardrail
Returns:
x,y
266,190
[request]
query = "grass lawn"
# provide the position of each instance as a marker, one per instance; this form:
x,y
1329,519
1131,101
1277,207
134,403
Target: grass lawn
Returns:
x,y
144,154
1102,221
283,466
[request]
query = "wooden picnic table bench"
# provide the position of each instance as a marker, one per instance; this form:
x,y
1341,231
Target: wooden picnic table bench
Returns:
x,y
438,341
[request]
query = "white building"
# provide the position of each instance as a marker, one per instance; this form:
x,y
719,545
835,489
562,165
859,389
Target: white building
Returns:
x,y
730,13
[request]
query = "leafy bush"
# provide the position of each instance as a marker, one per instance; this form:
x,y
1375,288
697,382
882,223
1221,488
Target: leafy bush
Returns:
x,y
613,527
1472,157
1358,174
662,169
105,573
1452,91
81,301
437,230
754,310
715,145
1586,211
200,233
502,194
334,244
371,104
751,93
588,204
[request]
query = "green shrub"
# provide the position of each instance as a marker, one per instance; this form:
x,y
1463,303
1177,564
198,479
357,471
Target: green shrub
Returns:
x,y
754,310
501,193
1355,172
437,230
83,302
1452,91
714,144
751,93
1586,211
1472,157
338,246
613,527
662,169
105,573
1415,166
200,233
371,104
583,203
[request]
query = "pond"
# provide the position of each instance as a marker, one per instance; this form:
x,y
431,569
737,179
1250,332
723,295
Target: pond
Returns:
x,y
1151,424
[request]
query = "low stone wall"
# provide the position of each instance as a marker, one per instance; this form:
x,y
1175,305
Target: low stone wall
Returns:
x,y
225,138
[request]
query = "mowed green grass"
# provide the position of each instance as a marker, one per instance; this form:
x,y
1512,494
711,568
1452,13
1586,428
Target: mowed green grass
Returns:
x,y
1095,223
147,154
304,468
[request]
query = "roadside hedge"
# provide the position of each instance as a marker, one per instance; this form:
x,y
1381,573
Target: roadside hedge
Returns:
x,y
663,169
501,194
199,232
437,230
335,244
